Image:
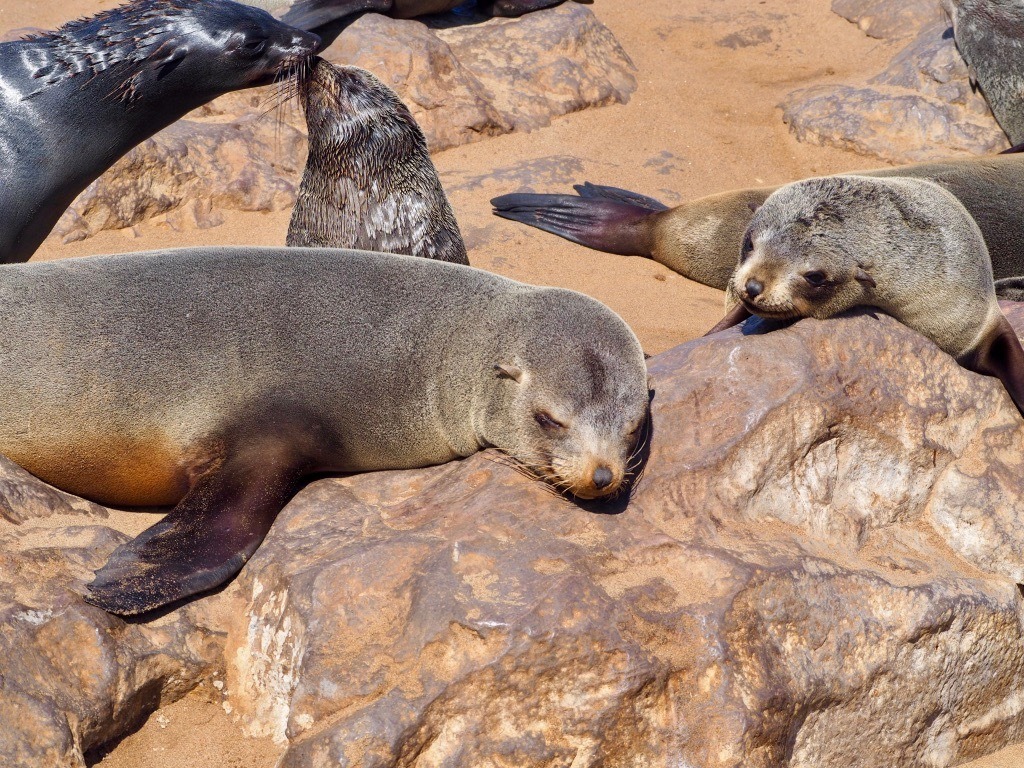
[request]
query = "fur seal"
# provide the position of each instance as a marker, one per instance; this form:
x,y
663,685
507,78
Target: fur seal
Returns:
x,y
75,100
906,246
129,382
700,239
988,35
316,14
369,182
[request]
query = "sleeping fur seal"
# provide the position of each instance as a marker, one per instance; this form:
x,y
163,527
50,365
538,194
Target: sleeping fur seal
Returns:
x,y
369,182
906,246
130,382
700,239
988,35
74,101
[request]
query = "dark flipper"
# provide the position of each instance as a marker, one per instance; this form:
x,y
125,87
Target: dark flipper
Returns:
x,y
735,316
203,541
1015,149
519,7
1001,356
595,191
605,225
312,14
1010,288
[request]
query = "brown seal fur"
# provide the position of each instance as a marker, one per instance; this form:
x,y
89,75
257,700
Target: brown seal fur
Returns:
x,y
369,182
128,380
700,239
906,246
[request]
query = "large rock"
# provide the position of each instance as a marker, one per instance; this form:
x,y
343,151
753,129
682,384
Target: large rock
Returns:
x,y
245,151
818,568
887,19
920,108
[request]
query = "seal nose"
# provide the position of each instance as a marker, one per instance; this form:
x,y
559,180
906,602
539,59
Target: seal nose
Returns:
x,y
308,42
603,477
754,288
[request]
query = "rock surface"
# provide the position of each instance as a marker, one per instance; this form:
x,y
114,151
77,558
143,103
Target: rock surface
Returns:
x,y
462,84
920,108
819,567
889,18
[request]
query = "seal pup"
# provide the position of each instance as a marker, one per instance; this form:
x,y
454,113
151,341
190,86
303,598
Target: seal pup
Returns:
x,y
75,100
906,246
988,35
129,382
315,14
369,182
699,239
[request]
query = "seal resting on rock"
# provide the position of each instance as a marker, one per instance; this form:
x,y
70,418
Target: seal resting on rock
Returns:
x,y
906,246
130,382
699,239
369,182
314,14
74,101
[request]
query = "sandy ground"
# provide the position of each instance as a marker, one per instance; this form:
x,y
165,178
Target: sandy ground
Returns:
x,y
703,120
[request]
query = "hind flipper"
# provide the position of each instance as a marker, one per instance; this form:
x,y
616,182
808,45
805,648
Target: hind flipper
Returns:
x,y
310,14
734,316
201,543
1015,149
519,7
605,225
1010,288
598,191
1001,355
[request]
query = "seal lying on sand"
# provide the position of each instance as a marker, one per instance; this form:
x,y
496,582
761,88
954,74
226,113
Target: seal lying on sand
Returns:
x,y
313,14
988,34
907,246
74,101
369,181
700,239
130,382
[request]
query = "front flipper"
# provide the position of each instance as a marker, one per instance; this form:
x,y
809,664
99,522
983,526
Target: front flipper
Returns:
x,y
310,15
201,543
599,223
735,316
1001,355
519,7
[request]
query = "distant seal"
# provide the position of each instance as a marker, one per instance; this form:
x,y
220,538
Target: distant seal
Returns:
x,y
369,182
74,101
700,239
130,382
906,246
988,34
316,14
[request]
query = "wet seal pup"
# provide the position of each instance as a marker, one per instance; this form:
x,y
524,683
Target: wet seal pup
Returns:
x,y
369,182
906,246
129,382
699,239
315,14
988,35
75,100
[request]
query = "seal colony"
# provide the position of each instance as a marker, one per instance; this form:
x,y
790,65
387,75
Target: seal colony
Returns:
x,y
73,101
210,400
700,239
369,182
906,246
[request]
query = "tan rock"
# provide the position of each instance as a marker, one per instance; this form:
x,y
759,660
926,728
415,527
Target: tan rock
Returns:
x,y
889,18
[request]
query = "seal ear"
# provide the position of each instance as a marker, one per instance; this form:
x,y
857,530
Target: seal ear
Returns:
x,y
753,206
864,278
509,371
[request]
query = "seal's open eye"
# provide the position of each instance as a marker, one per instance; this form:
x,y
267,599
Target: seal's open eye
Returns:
x,y
815,278
254,47
547,421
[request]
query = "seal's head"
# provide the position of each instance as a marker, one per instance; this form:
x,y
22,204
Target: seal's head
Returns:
x,y
570,399
154,47
806,251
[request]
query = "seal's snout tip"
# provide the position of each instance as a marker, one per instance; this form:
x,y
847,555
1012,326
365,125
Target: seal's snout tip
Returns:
x,y
309,43
754,288
602,477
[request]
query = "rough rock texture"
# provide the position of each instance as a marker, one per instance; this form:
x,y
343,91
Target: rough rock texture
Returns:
x,y
462,83
818,569
889,18
921,107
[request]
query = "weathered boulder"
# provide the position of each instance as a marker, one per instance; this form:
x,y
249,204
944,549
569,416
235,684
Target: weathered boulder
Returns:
x,y
889,18
921,107
818,567
245,151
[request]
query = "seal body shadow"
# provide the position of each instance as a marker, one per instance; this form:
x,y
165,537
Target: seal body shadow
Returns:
x,y
73,101
369,182
129,382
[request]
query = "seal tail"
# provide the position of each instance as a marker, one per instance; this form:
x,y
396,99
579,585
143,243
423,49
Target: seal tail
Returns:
x,y
603,218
